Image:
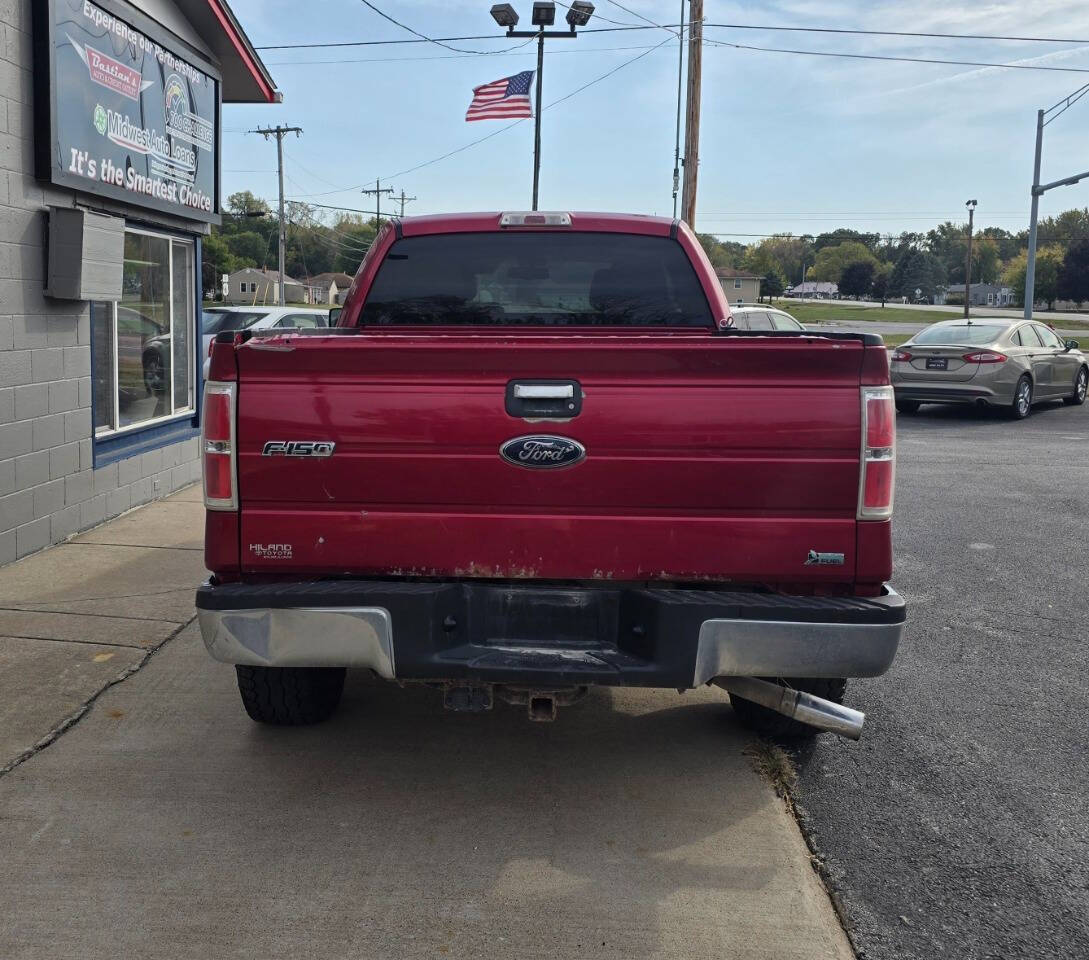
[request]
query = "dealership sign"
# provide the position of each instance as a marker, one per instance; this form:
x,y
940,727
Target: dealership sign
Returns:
x,y
122,112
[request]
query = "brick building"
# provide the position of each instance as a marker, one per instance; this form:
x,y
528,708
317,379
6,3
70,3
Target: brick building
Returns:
x,y
109,177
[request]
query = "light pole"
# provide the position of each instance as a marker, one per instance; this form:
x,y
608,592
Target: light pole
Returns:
x,y
971,205
1038,189
544,15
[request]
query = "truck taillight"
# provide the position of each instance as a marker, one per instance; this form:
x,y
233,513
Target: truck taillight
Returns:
x,y
217,444
878,469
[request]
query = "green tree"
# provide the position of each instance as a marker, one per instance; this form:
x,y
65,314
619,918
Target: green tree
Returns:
x,y
986,264
1073,279
721,254
831,261
244,202
216,259
250,248
1048,261
880,288
857,278
916,269
772,285
844,235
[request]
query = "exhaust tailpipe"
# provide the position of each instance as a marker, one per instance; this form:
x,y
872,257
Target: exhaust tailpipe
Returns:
x,y
798,705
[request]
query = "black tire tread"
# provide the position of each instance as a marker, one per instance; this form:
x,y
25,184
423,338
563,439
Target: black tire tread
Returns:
x,y
774,725
1072,400
1012,412
290,696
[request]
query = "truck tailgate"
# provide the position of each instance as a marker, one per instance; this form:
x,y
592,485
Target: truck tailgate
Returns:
x,y
707,458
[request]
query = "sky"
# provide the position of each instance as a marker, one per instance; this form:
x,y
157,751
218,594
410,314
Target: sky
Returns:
x,y
789,143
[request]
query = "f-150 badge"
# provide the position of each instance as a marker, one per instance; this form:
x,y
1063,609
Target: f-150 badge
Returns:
x,y
298,448
542,452
816,559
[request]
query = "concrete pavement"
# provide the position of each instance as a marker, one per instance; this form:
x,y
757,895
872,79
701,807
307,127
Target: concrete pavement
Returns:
x,y
156,820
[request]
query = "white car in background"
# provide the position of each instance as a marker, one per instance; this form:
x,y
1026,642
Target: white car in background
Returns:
x,y
758,317
217,319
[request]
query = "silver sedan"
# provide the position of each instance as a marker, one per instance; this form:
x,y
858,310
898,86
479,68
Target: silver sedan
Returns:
x,y
990,362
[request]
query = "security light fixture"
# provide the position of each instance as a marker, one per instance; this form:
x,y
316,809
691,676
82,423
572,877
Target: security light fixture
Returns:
x,y
971,204
544,13
579,14
505,15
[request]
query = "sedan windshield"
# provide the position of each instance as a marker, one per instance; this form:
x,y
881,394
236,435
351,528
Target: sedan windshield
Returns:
x,y
969,333
215,321
537,279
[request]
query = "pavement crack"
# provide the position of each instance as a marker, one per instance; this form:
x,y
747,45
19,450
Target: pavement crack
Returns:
x,y
85,707
86,613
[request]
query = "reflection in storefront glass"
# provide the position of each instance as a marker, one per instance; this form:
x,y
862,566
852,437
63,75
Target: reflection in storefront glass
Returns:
x,y
144,342
183,298
102,338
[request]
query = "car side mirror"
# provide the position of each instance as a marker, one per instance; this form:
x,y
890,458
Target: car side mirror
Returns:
x,y
334,316
1072,345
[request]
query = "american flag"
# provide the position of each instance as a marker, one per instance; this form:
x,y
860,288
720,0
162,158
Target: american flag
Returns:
x,y
502,100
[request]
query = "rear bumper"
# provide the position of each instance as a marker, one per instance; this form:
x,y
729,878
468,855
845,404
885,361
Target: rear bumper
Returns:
x,y
946,393
491,632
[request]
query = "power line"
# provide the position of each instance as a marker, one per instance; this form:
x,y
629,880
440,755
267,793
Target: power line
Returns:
x,y
422,36
932,35
875,56
458,56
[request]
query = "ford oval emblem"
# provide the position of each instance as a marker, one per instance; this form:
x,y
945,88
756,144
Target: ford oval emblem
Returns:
x,y
542,451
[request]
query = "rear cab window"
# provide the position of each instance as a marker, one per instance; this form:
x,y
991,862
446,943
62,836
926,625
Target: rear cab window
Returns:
x,y
537,279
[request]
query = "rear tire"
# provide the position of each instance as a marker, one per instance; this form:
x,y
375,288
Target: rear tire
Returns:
x,y
907,406
1081,386
774,725
290,696
1021,406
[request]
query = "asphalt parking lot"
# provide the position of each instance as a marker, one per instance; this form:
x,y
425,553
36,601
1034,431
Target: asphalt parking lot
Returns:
x,y
958,826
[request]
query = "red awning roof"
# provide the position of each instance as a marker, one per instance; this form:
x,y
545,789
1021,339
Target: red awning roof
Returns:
x,y
245,78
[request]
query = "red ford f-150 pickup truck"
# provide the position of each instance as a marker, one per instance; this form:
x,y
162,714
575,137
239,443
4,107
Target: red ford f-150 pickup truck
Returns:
x,y
534,457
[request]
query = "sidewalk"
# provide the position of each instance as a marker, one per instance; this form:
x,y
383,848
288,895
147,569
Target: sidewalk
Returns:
x,y
151,818
76,618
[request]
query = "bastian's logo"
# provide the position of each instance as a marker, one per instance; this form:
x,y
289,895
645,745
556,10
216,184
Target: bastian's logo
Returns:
x,y
298,448
816,559
542,452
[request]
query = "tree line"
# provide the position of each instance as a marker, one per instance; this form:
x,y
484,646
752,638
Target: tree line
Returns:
x,y
877,266
247,238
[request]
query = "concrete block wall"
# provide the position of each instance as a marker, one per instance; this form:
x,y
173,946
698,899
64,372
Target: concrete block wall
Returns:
x,y
49,489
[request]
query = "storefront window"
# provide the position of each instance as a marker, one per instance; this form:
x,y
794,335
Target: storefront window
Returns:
x,y
143,344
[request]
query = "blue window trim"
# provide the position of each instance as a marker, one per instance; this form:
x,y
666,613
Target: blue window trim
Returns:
x,y
114,447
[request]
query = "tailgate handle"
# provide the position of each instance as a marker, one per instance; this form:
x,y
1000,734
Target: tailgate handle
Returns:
x,y
544,399
544,391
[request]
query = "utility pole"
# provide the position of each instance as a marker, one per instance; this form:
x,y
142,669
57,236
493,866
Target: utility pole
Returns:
x,y
278,133
378,191
677,135
1039,189
971,205
692,120
404,200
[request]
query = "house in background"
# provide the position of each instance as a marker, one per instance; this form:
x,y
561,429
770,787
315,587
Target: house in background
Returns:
x,y
250,285
738,285
983,295
814,289
329,288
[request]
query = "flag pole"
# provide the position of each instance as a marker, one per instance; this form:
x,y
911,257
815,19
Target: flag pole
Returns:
x,y
537,118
